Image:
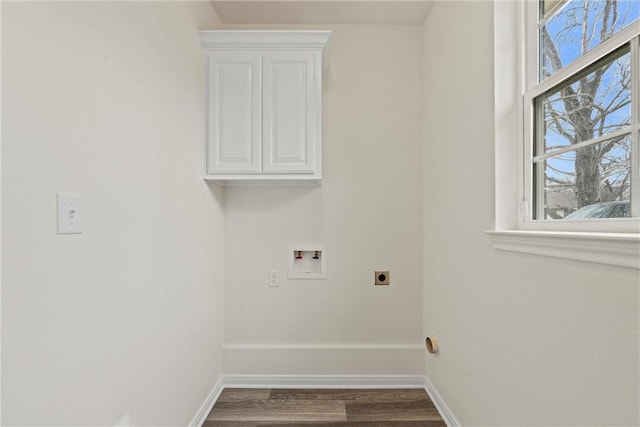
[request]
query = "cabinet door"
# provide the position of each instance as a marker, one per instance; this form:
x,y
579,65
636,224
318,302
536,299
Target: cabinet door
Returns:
x,y
233,113
291,111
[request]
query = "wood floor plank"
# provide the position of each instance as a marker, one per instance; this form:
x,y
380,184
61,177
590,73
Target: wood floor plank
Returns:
x,y
239,394
278,411
431,423
322,407
213,423
391,411
326,424
351,395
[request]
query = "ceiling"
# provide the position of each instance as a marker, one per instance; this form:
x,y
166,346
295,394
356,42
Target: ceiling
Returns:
x,y
326,12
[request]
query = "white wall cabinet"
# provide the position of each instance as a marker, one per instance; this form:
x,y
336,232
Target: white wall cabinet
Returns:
x,y
264,106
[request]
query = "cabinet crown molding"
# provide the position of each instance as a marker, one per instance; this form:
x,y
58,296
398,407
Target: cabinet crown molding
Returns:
x,y
263,40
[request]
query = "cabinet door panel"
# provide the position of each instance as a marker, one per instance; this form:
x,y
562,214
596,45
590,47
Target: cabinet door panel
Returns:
x,y
234,113
291,92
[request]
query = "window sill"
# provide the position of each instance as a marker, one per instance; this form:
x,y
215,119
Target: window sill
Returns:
x,y
619,249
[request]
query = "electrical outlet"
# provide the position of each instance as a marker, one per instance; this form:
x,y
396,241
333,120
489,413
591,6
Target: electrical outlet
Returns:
x,y
274,280
382,277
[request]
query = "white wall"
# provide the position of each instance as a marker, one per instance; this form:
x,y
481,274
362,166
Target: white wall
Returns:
x,y
524,340
122,323
367,212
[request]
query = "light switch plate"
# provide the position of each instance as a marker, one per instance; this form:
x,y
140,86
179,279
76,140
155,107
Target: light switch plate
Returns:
x,y
70,213
274,280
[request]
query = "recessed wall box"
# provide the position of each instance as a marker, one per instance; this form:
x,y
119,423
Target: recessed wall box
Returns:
x,y
382,277
308,262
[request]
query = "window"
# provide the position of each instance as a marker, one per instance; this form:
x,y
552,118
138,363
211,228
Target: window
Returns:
x,y
566,79
581,116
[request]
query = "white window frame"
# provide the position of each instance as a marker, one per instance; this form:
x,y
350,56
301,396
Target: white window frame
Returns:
x,y
533,89
612,241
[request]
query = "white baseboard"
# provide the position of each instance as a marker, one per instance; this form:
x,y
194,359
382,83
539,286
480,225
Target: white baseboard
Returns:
x,y
442,407
323,347
324,381
207,405
323,359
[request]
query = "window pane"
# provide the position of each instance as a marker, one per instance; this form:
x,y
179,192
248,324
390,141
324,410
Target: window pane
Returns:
x,y
580,26
591,182
595,104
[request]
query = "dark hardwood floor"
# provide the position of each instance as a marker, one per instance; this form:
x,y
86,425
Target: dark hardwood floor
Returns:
x,y
327,408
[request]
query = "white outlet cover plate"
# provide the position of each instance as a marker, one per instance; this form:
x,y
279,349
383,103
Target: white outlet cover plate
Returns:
x,y
70,213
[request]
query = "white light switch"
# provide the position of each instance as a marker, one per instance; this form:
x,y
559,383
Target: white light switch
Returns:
x,y
273,279
69,213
